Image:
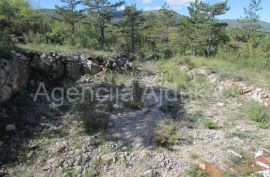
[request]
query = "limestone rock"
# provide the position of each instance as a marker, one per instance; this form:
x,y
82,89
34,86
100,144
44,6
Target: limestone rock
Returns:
x,y
91,68
10,127
14,75
73,70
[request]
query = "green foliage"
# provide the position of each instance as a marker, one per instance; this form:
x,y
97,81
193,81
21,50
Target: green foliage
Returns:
x,y
174,77
131,25
168,135
70,15
137,96
259,113
101,12
72,173
94,117
230,92
138,91
195,171
210,124
250,26
17,17
6,45
201,31
86,37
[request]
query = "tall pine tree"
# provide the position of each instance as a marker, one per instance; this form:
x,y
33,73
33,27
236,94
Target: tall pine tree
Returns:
x,y
102,11
70,15
250,22
131,25
204,32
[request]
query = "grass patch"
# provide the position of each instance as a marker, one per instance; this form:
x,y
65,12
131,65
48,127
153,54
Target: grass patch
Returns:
x,y
210,124
195,171
194,156
231,70
231,92
133,105
258,113
201,88
95,168
72,173
241,135
94,116
172,75
137,96
242,167
62,48
167,135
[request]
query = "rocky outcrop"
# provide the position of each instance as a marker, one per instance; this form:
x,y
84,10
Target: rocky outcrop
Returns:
x,y
256,94
14,74
16,71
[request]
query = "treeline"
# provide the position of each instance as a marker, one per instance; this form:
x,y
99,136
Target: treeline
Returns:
x,y
100,25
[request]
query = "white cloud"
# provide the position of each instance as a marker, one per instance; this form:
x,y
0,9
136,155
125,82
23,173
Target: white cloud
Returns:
x,y
172,3
122,7
178,3
147,1
151,8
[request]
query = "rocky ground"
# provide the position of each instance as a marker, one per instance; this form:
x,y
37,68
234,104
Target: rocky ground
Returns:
x,y
51,141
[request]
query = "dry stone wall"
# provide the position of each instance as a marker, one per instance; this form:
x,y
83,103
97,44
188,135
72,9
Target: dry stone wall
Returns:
x,y
16,72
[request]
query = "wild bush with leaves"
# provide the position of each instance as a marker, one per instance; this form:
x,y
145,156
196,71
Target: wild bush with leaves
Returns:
x,y
168,135
195,171
259,113
94,116
210,124
137,96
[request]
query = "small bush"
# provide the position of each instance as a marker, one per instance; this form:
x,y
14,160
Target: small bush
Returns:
x,y
138,91
133,105
93,117
231,92
168,135
195,171
6,45
187,61
260,114
168,53
210,124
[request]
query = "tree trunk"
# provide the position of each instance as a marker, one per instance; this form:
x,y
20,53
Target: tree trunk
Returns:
x,y
102,32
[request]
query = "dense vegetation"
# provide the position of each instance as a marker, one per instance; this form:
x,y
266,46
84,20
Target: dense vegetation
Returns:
x,y
149,35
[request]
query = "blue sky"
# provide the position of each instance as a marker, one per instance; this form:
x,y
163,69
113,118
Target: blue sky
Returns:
x,y
179,6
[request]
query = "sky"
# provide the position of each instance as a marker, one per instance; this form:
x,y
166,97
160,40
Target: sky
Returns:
x,y
180,6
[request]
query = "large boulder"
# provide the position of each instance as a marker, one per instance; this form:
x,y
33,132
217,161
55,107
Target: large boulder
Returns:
x,y
91,68
58,69
73,70
14,75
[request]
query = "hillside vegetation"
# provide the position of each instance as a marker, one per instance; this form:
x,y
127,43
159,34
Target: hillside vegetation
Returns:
x,y
98,91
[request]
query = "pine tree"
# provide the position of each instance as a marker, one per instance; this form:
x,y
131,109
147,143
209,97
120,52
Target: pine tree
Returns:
x,y
102,11
70,15
204,32
250,25
131,25
166,23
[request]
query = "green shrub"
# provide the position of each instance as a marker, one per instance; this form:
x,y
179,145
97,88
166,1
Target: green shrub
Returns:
x,y
195,171
36,38
138,91
94,117
230,92
168,135
133,105
260,114
168,53
137,96
210,124
6,45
